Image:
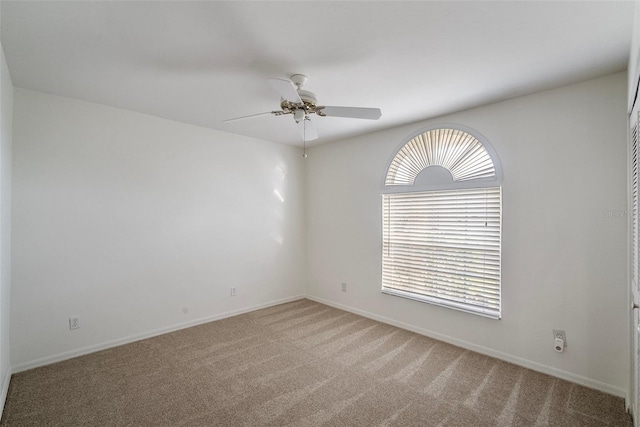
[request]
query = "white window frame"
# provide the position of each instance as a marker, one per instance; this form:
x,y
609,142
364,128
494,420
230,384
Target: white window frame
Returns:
x,y
418,283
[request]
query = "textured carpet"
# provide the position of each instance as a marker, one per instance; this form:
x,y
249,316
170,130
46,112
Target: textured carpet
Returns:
x,y
298,364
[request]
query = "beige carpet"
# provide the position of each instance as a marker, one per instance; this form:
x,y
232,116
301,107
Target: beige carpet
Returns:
x,y
299,364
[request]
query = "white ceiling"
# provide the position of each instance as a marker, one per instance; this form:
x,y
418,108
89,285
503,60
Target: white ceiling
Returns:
x,y
203,62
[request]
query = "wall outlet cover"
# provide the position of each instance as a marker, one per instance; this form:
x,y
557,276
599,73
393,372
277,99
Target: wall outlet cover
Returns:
x,y
74,322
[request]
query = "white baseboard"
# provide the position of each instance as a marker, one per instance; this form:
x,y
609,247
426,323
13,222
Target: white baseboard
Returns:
x,y
137,337
545,369
535,366
5,390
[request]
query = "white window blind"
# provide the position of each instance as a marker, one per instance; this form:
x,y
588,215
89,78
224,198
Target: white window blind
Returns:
x,y
458,151
634,199
443,247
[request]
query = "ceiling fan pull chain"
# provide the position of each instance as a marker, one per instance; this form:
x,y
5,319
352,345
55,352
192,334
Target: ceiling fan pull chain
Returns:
x,y
304,139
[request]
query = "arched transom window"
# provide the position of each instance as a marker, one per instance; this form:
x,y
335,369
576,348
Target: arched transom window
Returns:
x,y
459,152
442,220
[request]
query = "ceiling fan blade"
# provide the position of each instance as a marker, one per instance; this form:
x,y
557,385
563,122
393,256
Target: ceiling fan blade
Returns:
x,y
286,90
250,115
307,130
352,112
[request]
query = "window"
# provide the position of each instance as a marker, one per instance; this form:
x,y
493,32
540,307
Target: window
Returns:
x,y
442,221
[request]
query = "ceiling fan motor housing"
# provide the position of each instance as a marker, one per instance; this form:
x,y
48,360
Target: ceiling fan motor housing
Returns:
x,y
309,100
308,106
307,97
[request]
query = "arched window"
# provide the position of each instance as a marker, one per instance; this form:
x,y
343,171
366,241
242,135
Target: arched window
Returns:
x,y
442,221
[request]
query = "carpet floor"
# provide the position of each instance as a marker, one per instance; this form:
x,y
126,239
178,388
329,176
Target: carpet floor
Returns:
x,y
299,364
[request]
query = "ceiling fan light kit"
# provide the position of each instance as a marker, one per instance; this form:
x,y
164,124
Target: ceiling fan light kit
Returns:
x,y
299,114
303,103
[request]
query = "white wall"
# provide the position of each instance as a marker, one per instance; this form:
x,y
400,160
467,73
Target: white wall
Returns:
x,y
563,154
6,117
140,225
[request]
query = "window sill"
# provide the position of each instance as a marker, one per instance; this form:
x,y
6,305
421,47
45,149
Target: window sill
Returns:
x,y
492,314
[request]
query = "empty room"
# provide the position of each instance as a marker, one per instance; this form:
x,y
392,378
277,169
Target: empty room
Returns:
x,y
318,213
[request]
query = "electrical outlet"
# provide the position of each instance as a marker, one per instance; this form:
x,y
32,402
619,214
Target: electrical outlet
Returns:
x,y
559,333
74,322
344,287
233,292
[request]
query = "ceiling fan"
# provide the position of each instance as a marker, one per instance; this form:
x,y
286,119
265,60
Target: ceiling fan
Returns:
x,y
302,104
